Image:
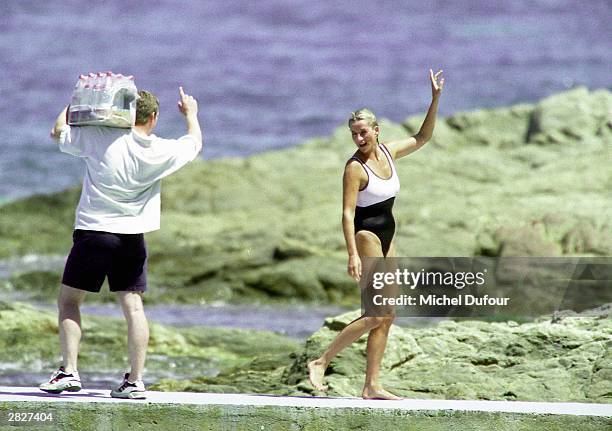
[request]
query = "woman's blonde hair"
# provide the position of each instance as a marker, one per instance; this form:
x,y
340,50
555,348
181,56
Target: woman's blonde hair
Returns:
x,y
363,114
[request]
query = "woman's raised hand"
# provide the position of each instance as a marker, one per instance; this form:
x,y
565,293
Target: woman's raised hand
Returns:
x,y
437,82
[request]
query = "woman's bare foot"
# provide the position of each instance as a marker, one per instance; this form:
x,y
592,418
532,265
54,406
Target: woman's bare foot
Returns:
x,y
316,371
378,394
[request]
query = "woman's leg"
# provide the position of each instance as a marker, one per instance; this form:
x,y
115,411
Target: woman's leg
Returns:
x,y
377,342
368,244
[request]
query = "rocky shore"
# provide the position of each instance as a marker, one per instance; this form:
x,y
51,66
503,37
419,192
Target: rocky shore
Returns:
x,y
527,180
551,359
29,345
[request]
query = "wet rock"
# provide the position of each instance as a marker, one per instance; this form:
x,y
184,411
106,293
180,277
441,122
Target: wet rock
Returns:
x,y
567,359
551,235
576,115
564,361
29,341
267,227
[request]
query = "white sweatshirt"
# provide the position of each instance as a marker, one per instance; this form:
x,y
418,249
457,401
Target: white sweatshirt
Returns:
x,y
122,183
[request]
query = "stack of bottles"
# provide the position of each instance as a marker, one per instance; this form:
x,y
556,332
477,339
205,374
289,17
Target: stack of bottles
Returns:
x,y
103,99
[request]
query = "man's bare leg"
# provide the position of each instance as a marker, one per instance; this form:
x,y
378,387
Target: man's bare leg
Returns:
x,y
138,332
69,322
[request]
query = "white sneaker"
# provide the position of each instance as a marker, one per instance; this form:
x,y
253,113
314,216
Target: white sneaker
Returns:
x,y
131,390
61,381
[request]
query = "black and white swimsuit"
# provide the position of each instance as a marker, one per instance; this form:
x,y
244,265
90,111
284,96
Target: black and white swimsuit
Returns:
x,y
375,203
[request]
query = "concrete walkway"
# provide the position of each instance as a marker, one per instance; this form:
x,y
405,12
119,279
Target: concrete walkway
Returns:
x,y
16,394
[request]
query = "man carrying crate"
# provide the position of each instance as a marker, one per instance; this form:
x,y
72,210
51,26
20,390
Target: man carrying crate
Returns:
x,y
120,201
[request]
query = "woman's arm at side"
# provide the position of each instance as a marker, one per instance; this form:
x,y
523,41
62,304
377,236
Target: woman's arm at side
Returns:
x,y
354,176
404,147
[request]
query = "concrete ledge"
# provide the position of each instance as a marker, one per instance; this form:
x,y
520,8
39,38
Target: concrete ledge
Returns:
x,y
95,410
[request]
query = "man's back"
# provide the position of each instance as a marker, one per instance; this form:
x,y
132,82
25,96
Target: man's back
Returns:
x,y
121,187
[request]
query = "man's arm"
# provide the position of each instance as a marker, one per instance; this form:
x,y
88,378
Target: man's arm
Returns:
x,y
184,149
189,108
60,122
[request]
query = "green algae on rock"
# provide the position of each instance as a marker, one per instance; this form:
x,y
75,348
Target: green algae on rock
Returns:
x,y
28,340
564,358
560,359
169,416
523,180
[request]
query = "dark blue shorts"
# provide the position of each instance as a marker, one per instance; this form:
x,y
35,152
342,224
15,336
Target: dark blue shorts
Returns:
x,y
96,255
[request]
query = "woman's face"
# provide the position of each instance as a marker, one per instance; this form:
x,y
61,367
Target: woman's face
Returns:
x,y
364,135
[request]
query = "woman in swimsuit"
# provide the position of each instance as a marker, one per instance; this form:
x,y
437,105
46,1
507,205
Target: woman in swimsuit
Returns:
x,y
369,187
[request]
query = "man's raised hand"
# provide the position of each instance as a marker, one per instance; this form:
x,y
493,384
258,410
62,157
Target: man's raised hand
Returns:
x,y
187,104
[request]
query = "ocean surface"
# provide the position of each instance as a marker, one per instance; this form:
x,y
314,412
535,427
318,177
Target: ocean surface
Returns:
x,y
271,74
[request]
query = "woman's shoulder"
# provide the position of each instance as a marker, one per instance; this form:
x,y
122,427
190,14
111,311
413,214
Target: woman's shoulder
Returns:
x,y
353,160
354,168
353,165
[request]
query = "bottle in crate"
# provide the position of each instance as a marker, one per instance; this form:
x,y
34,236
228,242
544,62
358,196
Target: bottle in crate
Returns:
x,y
77,98
104,99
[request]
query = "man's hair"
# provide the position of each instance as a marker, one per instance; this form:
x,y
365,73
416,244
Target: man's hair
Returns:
x,y
146,105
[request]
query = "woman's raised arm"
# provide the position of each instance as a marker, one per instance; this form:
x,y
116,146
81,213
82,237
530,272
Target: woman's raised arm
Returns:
x,y
403,147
